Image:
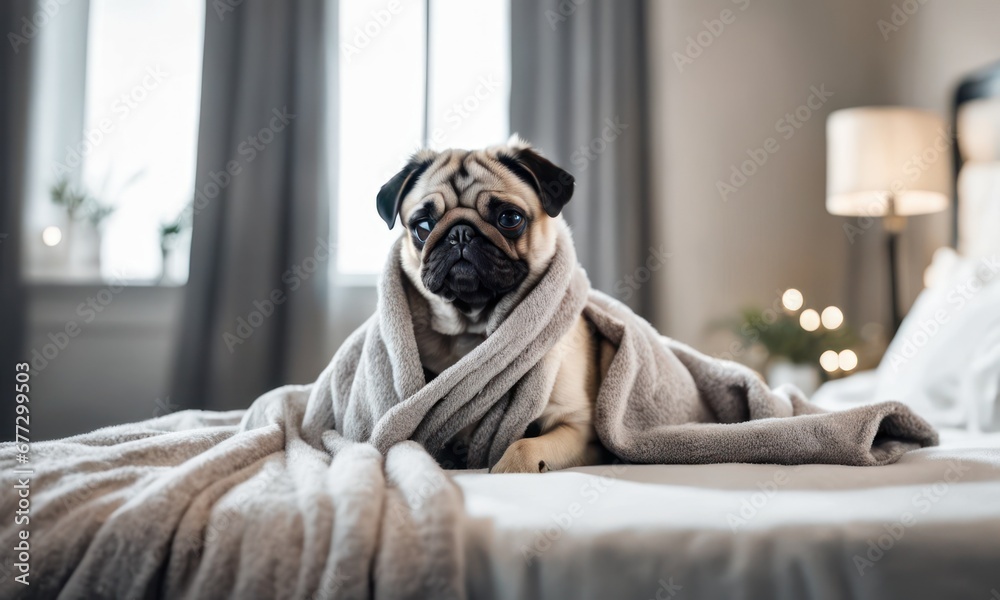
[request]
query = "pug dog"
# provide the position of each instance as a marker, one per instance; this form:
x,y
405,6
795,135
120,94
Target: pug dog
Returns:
x,y
481,227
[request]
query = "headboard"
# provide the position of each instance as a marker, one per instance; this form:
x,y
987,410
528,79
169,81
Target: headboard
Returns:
x,y
976,127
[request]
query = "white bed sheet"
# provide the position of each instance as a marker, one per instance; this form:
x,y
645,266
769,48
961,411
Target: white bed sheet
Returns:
x,y
743,531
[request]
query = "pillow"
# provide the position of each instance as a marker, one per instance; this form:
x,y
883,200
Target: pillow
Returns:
x,y
979,209
979,129
945,359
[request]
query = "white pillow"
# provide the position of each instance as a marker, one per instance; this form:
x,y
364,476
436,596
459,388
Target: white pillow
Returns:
x,y
945,358
979,130
979,209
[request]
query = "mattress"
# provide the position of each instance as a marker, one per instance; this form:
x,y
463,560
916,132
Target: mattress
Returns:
x,y
927,526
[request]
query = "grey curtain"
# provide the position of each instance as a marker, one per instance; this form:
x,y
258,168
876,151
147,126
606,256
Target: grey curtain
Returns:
x,y
578,92
15,73
255,301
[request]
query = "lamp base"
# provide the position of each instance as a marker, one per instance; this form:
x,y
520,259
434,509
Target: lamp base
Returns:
x,y
894,223
892,239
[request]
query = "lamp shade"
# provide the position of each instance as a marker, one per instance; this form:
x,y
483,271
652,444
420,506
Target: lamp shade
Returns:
x,y
883,161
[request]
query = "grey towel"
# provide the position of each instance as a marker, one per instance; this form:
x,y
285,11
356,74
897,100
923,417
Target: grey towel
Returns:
x,y
662,402
273,502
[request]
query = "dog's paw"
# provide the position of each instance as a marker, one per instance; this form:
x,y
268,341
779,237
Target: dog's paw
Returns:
x,y
522,456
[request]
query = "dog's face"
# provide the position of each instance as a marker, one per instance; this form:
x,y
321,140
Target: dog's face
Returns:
x,y
480,224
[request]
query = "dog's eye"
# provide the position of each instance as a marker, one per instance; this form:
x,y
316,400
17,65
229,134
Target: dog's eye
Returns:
x,y
422,229
510,220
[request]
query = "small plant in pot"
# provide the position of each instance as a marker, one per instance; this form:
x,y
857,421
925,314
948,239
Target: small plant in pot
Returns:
x,y
170,233
798,343
85,216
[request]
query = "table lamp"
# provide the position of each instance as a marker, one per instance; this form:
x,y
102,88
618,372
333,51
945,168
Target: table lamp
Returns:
x,y
887,162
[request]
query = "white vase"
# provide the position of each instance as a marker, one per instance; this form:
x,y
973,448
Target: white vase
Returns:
x,y
84,249
803,376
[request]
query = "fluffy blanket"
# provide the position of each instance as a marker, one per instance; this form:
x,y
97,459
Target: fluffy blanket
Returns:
x,y
662,401
232,505
316,492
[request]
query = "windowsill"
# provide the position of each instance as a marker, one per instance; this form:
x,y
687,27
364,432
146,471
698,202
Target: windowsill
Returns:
x,y
54,271
64,277
355,279
90,282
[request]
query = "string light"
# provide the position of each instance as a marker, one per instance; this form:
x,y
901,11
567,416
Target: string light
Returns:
x,y
809,320
51,235
792,299
829,361
847,360
832,317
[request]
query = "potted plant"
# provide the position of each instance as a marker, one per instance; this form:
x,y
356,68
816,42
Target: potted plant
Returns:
x,y
85,216
796,341
170,232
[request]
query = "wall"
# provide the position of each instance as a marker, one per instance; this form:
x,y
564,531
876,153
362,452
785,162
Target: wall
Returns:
x,y
932,51
114,369
774,231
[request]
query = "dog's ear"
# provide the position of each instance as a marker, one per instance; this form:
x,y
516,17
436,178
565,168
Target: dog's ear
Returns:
x,y
390,197
553,185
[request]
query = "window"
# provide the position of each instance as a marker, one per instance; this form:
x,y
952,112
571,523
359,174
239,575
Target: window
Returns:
x,y
400,91
126,167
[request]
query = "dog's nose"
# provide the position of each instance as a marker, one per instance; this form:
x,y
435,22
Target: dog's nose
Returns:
x,y
461,234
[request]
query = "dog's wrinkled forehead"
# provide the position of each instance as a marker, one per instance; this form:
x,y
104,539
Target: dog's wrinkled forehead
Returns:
x,y
443,181
467,179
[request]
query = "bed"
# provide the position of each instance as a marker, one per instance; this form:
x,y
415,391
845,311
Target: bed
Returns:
x,y
928,526
273,502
